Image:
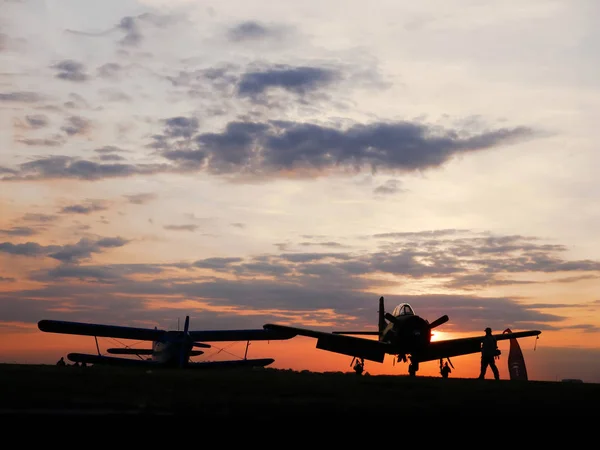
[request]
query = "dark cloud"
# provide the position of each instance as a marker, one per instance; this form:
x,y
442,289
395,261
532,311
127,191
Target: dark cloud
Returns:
x,y
76,125
299,80
284,147
181,127
88,208
68,253
37,120
84,248
65,167
276,148
70,70
19,231
140,199
251,30
21,97
187,227
7,279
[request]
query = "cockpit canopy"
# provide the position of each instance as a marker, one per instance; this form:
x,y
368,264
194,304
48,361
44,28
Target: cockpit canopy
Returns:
x,y
403,309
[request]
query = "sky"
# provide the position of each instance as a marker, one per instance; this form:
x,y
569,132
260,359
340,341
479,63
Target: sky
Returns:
x,y
255,162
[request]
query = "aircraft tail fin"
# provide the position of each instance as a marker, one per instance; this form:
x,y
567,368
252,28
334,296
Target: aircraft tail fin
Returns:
x,y
382,322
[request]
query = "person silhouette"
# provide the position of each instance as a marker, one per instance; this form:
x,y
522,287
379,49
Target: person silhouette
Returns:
x,y
359,366
445,370
489,351
61,361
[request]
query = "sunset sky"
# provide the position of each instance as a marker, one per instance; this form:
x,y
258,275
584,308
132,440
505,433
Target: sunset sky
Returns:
x,y
290,162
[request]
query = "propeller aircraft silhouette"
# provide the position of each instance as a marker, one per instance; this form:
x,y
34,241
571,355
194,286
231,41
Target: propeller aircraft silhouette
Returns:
x,y
169,348
402,333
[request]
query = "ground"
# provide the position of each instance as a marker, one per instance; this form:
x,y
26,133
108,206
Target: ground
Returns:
x,y
38,390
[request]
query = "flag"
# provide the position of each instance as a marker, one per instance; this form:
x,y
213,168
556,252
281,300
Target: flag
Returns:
x,y
516,361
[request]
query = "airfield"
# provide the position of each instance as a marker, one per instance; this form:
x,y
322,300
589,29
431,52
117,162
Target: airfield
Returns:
x,y
31,391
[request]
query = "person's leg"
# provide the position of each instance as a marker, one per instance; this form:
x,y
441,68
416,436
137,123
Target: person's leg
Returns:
x,y
484,365
495,370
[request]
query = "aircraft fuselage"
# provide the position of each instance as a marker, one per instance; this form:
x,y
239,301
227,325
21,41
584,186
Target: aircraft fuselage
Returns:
x,y
409,334
169,350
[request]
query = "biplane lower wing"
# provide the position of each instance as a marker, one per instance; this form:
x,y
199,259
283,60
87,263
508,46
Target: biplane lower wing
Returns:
x,y
372,350
464,346
111,360
231,364
143,351
126,362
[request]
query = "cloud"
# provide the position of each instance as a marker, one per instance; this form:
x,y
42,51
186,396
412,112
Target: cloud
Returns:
x,y
141,199
40,218
188,227
66,167
299,80
19,231
70,70
90,207
110,149
68,253
390,187
291,147
37,120
76,125
251,30
55,141
110,71
338,285
21,97
277,148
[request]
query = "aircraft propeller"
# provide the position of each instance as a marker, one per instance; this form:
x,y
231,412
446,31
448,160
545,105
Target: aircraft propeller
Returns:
x,y
186,338
438,322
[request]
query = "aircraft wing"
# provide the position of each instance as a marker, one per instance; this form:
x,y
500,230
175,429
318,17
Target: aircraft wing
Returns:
x,y
231,364
370,349
464,346
111,360
93,329
241,335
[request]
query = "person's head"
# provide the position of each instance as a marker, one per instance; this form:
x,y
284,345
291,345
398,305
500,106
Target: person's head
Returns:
x,y
488,330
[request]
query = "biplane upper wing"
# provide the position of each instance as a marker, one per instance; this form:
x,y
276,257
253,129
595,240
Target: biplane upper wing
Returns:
x,y
464,346
241,335
150,334
370,349
93,329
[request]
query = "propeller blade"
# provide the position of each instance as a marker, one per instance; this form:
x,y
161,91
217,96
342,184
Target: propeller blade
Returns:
x,y
201,345
184,343
391,318
438,322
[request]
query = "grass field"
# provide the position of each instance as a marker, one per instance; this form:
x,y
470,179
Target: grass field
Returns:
x,y
30,390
